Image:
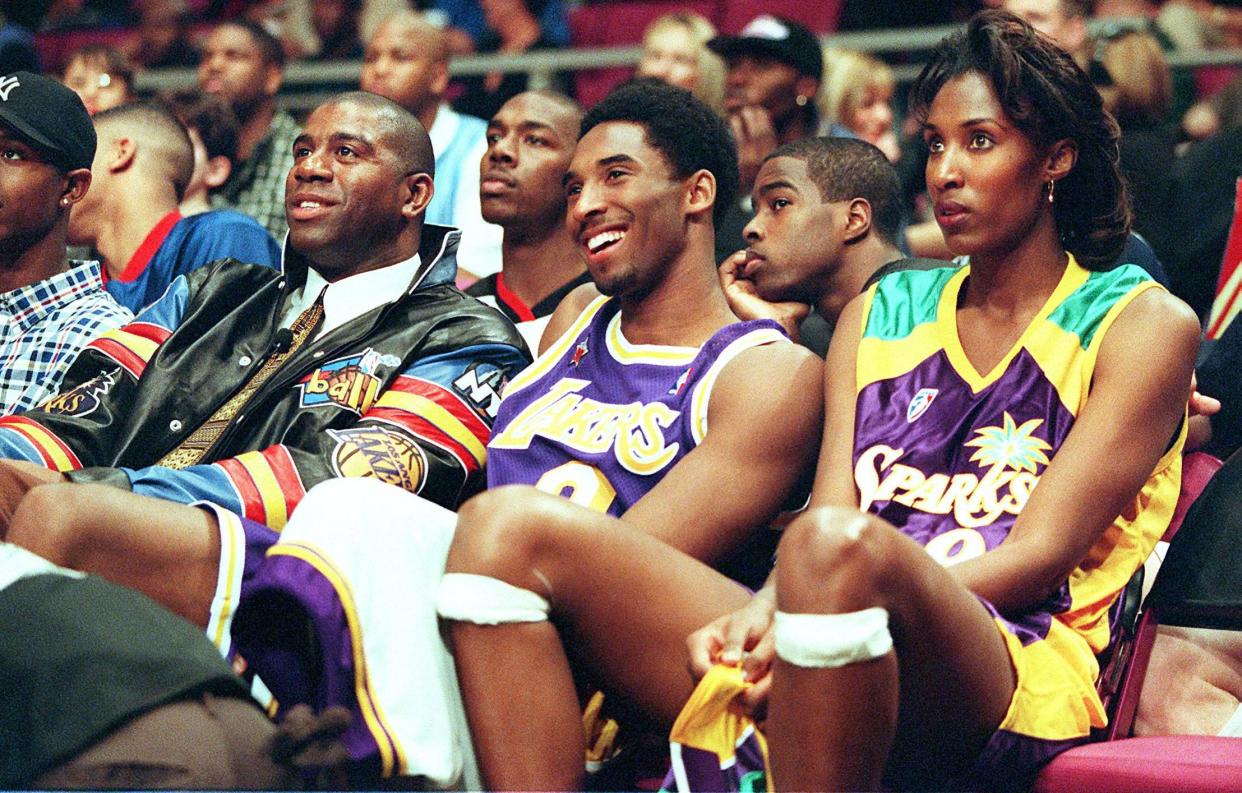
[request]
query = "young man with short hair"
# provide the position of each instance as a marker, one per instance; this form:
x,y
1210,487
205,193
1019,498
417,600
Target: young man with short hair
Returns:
x,y
652,422
530,142
827,217
140,171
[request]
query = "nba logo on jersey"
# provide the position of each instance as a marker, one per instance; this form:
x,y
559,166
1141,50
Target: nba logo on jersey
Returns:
x,y
681,382
921,402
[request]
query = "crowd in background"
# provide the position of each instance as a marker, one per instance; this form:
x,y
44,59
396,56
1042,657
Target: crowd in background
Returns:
x,y
217,171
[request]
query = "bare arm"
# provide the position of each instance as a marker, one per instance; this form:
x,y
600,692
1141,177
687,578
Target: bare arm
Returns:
x,y
1136,403
566,312
763,424
834,478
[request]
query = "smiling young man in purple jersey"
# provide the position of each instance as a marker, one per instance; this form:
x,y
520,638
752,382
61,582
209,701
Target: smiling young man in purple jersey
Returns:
x,y
652,418
653,412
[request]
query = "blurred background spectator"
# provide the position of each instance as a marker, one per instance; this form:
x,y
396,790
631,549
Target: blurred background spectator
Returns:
x,y
335,23
407,61
244,65
469,23
212,127
101,76
675,51
289,21
856,100
1138,90
163,35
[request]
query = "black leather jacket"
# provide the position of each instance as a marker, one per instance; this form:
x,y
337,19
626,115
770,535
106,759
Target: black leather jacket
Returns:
x,y
405,393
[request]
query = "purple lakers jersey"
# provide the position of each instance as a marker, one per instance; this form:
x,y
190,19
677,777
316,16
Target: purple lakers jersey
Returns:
x,y
600,420
950,455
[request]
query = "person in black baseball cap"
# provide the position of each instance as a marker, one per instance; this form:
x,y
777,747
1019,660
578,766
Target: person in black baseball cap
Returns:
x,y
50,117
774,70
47,143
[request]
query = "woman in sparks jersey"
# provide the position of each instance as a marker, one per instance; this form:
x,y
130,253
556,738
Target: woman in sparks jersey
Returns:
x,y
1013,436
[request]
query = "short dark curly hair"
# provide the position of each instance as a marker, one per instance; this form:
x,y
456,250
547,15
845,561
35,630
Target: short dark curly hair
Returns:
x,y
846,168
1049,98
686,131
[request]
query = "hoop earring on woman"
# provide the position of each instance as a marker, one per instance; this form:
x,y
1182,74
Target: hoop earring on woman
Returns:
x,y
800,101
1051,188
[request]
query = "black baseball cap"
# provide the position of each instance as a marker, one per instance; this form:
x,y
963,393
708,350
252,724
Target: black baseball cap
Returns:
x,y
778,38
48,116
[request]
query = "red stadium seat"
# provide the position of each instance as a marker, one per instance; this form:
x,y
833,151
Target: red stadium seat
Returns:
x,y
618,25
1190,591
818,17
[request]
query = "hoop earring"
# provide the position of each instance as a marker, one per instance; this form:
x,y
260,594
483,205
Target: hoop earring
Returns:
x,y
1052,186
800,101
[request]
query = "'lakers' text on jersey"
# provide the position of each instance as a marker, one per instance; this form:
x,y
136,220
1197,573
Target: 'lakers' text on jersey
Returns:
x,y
600,420
951,456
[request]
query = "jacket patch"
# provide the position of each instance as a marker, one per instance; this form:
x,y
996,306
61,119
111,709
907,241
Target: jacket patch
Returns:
x,y
83,399
381,453
348,383
480,385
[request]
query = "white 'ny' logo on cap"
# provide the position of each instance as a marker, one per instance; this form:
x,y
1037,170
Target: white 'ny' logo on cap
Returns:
x,y
7,84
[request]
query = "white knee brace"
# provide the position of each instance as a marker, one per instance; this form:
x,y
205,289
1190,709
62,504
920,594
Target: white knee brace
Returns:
x,y
484,600
831,640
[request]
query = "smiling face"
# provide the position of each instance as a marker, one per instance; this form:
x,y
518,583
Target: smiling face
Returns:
x,y
530,141
624,208
985,176
347,196
795,240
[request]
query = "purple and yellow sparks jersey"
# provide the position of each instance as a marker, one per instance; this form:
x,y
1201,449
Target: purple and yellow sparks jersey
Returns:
x,y
600,420
951,456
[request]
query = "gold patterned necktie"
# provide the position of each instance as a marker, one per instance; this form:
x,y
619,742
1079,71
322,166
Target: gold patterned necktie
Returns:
x,y
191,450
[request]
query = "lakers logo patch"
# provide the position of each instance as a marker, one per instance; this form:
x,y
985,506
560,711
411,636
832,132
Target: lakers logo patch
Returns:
x,y
379,453
348,383
83,399
921,402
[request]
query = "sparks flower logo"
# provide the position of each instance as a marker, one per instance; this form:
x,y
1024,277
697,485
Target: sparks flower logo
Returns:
x,y
1010,446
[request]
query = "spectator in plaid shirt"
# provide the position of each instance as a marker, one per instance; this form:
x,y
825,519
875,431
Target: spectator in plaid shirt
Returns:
x,y
243,64
49,307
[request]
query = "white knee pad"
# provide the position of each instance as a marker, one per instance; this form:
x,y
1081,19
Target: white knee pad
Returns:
x,y
484,600
830,640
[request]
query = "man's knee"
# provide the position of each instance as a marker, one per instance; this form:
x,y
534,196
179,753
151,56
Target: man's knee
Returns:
x,y
16,480
50,520
502,529
833,558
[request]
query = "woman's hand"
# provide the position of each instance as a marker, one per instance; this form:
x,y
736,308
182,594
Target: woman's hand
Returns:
x,y
744,638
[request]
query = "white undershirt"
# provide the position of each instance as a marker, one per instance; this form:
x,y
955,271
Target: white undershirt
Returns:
x,y
351,297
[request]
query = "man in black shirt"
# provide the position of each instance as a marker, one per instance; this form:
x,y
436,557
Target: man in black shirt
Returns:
x,y
827,216
530,142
